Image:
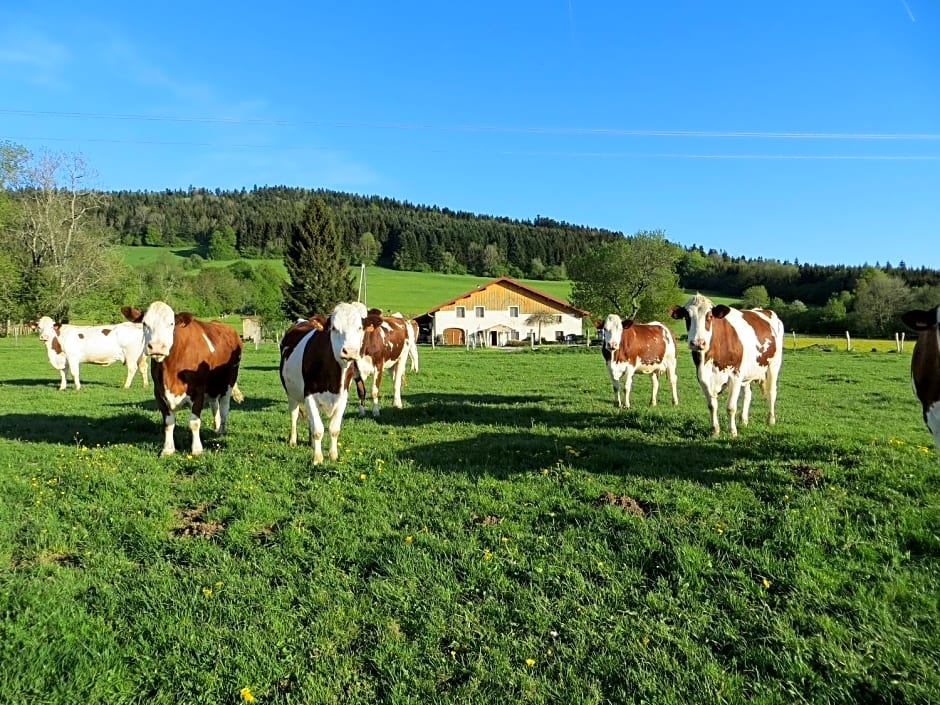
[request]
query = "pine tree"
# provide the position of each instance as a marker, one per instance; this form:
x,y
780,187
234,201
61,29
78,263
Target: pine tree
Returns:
x,y
319,276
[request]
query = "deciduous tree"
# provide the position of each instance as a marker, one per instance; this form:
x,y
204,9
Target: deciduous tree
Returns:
x,y
634,277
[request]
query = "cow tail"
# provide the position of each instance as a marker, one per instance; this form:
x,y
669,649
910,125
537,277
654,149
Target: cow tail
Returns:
x,y
237,394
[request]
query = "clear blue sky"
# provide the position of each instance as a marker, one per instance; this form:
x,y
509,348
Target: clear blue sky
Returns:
x,y
795,130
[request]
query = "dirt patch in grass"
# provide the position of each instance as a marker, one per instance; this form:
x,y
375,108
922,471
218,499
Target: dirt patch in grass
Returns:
x,y
807,474
192,523
625,502
488,520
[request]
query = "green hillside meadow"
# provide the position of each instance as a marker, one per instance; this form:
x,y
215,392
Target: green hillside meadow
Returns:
x,y
411,293
506,537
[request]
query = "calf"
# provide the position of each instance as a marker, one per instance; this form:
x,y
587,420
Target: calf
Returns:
x,y
388,343
925,365
315,356
191,361
732,348
69,346
648,348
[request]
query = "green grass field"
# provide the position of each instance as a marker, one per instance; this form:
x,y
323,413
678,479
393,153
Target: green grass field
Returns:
x,y
506,537
411,293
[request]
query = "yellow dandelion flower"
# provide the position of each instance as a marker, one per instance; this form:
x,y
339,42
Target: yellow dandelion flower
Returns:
x,y
504,539
362,476
487,554
766,583
545,471
246,694
207,591
530,662
409,539
646,639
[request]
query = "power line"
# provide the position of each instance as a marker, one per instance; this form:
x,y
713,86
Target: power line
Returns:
x,y
615,132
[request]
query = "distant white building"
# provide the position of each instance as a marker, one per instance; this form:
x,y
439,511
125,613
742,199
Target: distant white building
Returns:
x,y
501,311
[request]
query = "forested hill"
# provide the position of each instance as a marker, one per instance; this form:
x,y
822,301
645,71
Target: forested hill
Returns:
x,y
376,230
383,230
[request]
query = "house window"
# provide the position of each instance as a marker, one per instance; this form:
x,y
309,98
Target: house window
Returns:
x,y
479,311
514,335
460,312
514,312
558,319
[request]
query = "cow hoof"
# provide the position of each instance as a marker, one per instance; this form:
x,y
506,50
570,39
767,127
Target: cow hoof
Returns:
x,y
165,452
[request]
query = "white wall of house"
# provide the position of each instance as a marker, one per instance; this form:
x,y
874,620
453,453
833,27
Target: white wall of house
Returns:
x,y
475,321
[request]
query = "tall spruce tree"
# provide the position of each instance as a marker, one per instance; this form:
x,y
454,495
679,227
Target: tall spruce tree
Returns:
x,y
319,273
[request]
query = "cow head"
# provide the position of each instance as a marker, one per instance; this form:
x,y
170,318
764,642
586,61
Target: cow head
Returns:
x,y
48,329
699,313
159,323
346,332
613,331
919,320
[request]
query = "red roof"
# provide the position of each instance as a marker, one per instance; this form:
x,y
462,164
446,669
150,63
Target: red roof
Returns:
x,y
512,282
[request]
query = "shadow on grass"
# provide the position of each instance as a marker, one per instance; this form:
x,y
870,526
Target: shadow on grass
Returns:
x,y
131,427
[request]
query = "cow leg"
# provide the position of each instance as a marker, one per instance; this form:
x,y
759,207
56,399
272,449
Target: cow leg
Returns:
x,y
376,381
712,400
627,386
770,389
361,394
73,368
398,375
195,423
63,381
654,383
315,424
671,373
294,408
169,425
221,419
746,405
933,422
734,391
615,383
336,422
142,368
129,378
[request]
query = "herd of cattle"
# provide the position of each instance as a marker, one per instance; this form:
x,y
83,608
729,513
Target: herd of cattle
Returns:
x,y
193,361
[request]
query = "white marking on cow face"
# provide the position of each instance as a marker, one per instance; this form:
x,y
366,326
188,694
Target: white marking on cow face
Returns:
x,y
346,332
613,331
699,309
159,323
46,328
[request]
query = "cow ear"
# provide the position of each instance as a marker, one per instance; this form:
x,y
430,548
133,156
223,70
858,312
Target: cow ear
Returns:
x,y
184,319
720,311
917,319
626,323
678,312
134,315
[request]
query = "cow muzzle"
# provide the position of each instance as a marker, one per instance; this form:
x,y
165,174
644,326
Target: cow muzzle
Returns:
x,y
697,345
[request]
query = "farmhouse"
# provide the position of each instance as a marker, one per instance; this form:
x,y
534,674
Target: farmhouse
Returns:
x,y
499,312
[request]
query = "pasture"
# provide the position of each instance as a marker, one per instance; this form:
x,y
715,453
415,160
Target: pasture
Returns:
x,y
506,537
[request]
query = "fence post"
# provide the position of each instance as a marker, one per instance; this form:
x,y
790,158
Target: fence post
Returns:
x,y
848,342
793,333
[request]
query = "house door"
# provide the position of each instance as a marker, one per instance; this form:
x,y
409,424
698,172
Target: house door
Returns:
x,y
453,336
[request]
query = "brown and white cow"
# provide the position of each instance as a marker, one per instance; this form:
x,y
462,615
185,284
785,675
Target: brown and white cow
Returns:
x,y
732,348
191,361
630,347
388,343
68,346
315,356
925,365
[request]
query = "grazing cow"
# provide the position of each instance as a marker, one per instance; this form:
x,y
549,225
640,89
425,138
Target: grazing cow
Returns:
x,y
191,361
69,346
732,348
629,347
388,343
315,356
925,365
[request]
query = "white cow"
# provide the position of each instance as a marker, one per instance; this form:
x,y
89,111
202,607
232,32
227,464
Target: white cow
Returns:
x,y
648,348
69,346
732,348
